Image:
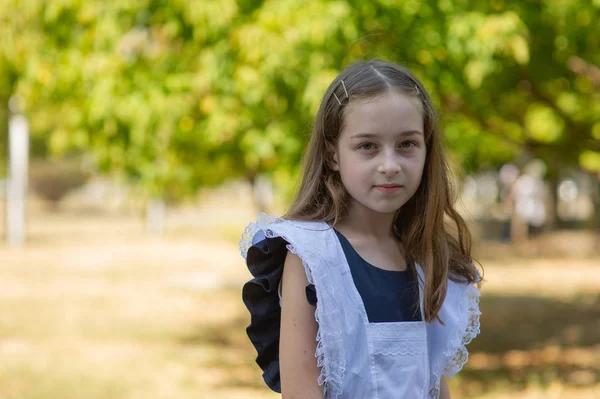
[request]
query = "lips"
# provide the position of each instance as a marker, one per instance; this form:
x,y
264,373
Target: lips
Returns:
x,y
388,188
389,185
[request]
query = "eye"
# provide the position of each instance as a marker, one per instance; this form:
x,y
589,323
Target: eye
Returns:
x,y
408,144
367,146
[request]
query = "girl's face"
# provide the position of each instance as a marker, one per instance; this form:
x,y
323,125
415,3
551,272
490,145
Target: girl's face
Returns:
x,y
381,151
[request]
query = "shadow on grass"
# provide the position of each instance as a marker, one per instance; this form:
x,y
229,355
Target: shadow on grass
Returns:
x,y
230,352
228,334
533,341
528,323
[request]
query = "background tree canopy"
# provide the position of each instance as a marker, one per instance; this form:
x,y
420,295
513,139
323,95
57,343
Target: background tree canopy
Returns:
x,y
177,95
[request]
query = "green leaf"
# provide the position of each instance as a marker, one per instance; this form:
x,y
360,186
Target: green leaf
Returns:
x,y
543,123
590,160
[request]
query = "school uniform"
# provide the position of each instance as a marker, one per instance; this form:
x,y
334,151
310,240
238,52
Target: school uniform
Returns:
x,y
372,340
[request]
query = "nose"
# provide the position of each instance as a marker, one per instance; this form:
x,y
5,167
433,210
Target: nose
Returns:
x,y
390,164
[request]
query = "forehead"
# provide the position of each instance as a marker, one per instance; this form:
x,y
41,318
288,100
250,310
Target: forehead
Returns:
x,y
389,113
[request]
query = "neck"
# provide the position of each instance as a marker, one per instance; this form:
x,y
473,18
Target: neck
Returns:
x,y
364,222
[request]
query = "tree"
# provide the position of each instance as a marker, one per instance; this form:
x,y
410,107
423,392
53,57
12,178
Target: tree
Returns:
x,y
178,95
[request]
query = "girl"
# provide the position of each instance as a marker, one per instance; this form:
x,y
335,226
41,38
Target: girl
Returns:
x,y
360,290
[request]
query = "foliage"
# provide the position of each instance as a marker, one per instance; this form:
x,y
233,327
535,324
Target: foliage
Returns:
x,y
182,94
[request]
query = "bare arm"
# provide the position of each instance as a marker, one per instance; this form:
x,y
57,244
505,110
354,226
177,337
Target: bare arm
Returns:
x,y
297,343
444,390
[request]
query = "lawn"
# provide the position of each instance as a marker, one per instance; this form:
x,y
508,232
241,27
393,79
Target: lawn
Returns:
x,y
92,307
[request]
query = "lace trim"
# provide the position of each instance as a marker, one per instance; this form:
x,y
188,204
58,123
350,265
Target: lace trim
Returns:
x,y
331,375
399,348
434,391
404,338
456,354
262,221
463,336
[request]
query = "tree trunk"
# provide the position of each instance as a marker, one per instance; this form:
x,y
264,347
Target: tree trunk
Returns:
x,y
519,234
261,193
155,216
552,221
519,230
4,114
596,199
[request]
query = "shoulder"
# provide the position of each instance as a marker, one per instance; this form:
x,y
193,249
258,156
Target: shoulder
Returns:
x,y
462,290
266,226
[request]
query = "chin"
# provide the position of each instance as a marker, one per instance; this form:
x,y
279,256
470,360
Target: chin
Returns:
x,y
385,209
380,207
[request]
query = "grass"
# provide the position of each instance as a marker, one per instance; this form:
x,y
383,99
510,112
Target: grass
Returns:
x,y
94,308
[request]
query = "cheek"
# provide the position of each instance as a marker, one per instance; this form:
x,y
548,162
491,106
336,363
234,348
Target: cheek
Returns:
x,y
356,166
417,167
420,169
421,160
348,160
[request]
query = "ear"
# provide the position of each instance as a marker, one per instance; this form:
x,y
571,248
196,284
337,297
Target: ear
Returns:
x,y
332,158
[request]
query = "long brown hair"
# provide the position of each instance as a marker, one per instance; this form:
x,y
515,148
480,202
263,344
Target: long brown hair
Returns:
x,y
420,223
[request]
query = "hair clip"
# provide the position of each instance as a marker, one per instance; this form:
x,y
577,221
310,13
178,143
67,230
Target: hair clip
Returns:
x,y
345,91
338,100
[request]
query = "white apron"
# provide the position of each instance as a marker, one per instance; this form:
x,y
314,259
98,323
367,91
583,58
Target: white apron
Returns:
x,y
359,359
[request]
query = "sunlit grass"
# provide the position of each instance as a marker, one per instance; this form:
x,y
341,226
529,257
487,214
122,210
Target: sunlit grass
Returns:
x,y
100,310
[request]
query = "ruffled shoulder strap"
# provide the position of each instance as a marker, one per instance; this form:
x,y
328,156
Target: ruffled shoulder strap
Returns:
x,y
447,343
264,245
298,235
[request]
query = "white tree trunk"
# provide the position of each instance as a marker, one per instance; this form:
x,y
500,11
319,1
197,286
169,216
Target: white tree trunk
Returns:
x,y
155,216
262,192
18,161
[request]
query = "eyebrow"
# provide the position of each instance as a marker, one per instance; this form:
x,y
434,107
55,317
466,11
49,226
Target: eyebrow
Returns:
x,y
374,135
